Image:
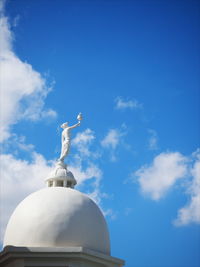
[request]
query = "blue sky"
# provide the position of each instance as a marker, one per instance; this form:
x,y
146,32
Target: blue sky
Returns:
x,y
132,69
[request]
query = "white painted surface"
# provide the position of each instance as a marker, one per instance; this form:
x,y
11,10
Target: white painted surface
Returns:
x,y
61,174
66,138
58,217
54,257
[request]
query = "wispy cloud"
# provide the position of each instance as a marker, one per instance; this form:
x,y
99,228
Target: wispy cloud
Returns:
x,y
122,104
82,142
128,211
166,169
110,213
153,140
111,141
90,171
85,168
97,196
23,90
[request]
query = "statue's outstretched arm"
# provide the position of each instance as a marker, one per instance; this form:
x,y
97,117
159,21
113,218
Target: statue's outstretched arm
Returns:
x,y
75,125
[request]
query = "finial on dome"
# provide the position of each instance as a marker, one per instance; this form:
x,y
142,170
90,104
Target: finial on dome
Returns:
x,y
60,175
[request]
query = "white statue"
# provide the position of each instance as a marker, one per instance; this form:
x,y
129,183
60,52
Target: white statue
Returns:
x,y
66,137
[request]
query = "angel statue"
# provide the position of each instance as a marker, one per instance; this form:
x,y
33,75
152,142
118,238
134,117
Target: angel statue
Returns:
x,y
66,137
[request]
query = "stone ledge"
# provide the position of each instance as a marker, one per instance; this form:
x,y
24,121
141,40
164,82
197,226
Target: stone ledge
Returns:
x,y
63,253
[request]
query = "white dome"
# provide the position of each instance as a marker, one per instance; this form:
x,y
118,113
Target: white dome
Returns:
x,y
58,217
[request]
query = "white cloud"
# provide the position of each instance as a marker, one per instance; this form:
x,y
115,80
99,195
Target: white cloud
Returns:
x,y
18,179
96,195
84,168
191,212
83,165
127,104
111,141
167,168
15,144
83,141
82,174
110,213
153,140
23,90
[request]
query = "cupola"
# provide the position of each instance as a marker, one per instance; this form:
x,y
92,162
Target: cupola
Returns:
x,y
61,176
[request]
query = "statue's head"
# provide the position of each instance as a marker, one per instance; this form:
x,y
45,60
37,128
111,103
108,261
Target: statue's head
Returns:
x,y
64,125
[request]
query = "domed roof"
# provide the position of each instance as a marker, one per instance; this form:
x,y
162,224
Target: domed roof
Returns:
x,y
58,217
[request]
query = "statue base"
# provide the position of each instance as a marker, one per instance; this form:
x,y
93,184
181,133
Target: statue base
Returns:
x,y
61,176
